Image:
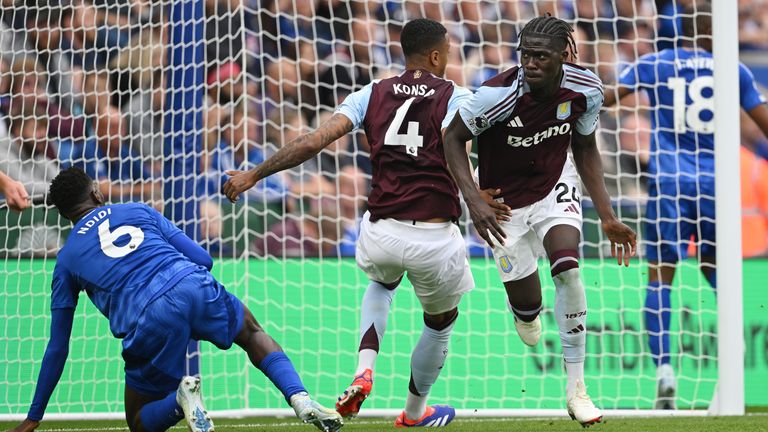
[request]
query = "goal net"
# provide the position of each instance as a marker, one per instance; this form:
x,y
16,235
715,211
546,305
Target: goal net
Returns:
x,y
157,99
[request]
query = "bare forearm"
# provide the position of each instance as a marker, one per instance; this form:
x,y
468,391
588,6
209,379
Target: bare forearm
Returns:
x,y
457,157
290,155
305,146
590,168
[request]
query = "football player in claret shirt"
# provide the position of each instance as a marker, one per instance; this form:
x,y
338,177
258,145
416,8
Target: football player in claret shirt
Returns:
x,y
525,120
409,227
153,284
681,171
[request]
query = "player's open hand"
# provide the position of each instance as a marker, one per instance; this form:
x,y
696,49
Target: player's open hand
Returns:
x,y
26,426
238,182
503,212
623,240
484,218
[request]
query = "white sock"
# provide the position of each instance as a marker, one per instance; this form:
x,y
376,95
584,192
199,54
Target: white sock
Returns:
x,y
374,311
427,361
366,359
415,406
571,314
575,372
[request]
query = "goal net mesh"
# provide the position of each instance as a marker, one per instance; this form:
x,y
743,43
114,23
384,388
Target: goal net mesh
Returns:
x,y
94,84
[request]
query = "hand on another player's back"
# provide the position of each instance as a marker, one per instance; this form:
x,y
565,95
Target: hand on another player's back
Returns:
x,y
503,212
622,236
238,182
26,426
484,218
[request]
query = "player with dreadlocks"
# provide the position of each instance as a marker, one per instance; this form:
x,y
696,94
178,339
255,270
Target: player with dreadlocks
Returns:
x,y
525,119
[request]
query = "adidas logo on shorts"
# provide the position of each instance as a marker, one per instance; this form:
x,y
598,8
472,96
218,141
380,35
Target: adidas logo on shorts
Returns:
x,y
572,208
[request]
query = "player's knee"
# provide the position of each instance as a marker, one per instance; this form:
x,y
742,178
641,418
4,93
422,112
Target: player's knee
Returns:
x,y
561,261
441,321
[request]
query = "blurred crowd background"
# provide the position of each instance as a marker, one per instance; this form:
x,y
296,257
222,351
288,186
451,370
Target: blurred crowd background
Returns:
x,y
83,83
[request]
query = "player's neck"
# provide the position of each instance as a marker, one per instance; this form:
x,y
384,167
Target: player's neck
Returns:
x,y
549,90
419,65
82,210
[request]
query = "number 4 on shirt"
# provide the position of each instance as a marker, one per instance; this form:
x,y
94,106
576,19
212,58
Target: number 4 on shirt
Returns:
x,y
411,139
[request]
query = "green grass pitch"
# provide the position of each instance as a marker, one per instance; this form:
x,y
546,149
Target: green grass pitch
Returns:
x,y
752,422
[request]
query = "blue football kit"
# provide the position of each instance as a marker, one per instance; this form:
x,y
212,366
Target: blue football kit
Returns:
x,y
679,84
151,282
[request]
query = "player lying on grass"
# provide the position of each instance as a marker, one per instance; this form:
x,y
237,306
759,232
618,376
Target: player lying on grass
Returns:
x,y
153,284
413,205
681,170
525,120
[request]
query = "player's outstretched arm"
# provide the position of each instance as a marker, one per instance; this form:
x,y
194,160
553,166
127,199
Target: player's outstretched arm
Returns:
x,y
611,97
50,371
588,163
15,194
290,155
760,116
191,250
483,216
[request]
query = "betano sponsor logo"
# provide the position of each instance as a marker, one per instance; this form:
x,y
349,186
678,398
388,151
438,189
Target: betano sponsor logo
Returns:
x,y
539,137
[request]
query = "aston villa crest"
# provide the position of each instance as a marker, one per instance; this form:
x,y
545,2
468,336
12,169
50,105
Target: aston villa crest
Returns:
x,y
416,74
505,264
564,110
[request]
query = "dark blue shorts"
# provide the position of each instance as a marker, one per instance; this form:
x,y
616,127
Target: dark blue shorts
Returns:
x,y
674,214
199,308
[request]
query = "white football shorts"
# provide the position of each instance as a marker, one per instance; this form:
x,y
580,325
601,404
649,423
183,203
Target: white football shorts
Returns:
x,y
432,255
517,257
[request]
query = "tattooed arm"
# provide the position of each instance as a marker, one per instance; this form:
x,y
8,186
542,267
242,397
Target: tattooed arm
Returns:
x,y
290,155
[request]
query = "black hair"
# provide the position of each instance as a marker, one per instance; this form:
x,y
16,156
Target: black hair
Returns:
x,y
695,18
421,36
69,189
552,27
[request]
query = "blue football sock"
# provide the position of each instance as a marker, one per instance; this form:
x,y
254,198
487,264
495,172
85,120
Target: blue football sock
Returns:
x,y
279,369
657,317
160,415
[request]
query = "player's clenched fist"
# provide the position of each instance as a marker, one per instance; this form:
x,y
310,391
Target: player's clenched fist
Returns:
x,y
26,426
15,194
620,235
239,182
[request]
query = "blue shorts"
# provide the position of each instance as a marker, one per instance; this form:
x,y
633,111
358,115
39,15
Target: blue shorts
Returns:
x,y
674,214
198,308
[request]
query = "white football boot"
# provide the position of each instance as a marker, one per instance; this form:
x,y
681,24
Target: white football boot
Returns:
x,y
188,397
309,411
529,332
666,388
581,408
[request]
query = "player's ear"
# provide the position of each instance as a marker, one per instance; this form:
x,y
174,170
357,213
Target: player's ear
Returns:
x,y
434,57
96,194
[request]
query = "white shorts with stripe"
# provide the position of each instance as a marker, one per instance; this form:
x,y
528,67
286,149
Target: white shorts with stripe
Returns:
x,y
432,255
525,230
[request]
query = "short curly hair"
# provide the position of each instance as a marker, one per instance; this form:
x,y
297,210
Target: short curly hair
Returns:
x,y
420,36
69,189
